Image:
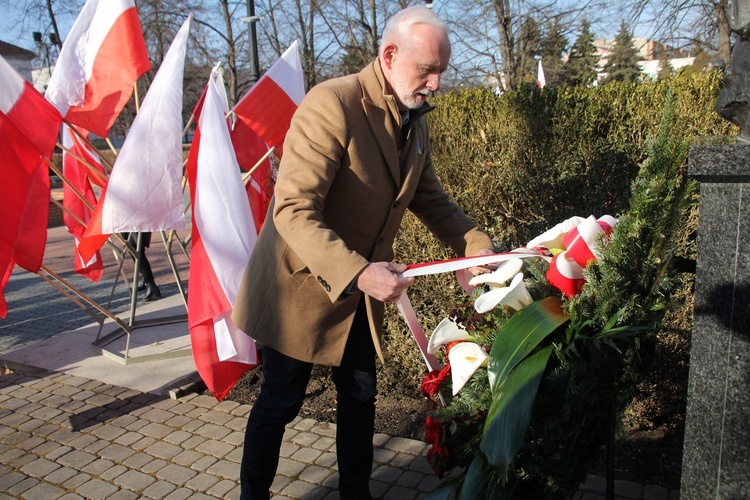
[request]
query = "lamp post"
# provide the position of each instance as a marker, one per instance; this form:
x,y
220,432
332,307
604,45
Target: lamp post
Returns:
x,y
252,50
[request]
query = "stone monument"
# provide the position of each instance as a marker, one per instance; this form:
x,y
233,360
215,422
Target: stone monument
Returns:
x,y
716,450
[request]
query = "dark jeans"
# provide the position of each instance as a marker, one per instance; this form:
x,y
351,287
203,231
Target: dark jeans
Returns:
x,y
284,383
145,268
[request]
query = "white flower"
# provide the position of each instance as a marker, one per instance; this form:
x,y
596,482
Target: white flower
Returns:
x,y
553,238
465,358
515,296
499,276
447,331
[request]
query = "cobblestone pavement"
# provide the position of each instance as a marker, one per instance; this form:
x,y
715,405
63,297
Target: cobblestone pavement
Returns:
x,y
63,436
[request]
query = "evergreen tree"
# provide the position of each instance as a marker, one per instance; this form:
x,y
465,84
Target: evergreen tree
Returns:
x,y
580,69
554,44
622,65
665,69
529,45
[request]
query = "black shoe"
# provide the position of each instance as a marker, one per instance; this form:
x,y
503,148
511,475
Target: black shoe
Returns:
x,y
141,286
152,292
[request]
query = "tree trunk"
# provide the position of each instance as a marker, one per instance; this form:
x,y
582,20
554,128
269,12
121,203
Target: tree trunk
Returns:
x,y
722,22
505,33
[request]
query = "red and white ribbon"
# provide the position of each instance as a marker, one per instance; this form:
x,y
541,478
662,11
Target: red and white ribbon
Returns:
x,y
445,266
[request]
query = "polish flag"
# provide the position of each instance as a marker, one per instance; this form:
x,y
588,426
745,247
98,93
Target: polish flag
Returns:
x,y
100,61
268,106
540,80
223,237
24,204
78,175
144,192
28,110
250,149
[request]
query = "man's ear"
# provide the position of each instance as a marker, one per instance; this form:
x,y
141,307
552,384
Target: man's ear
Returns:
x,y
389,53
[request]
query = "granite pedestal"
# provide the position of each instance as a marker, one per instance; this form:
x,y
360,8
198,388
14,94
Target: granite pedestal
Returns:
x,y
716,454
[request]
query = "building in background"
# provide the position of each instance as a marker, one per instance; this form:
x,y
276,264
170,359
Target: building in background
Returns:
x,y
651,54
20,59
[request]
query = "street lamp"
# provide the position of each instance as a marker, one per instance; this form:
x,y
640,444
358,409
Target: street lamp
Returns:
x,y
252,50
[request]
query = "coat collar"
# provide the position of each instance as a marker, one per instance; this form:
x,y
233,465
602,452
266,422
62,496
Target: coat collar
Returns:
x,y
383,115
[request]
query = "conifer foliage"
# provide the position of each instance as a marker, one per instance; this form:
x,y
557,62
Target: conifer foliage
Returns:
x,y
580,69
622,65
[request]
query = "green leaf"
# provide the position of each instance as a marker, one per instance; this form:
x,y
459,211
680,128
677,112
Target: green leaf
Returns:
x,y
510,412
481,482
522,334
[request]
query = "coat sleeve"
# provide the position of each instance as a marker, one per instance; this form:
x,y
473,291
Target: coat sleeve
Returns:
x,y
313,150
442,217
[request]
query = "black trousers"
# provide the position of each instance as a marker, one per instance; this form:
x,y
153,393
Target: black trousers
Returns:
x,y
282,392
145,267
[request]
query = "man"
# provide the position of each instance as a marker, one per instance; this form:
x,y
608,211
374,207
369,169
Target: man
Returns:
x,y
356,156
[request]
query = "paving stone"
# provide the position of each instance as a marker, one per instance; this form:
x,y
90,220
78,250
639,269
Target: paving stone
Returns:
x,y
315,474
429,483
43,491
187,457
40,468
225,469
117,453
155,465
156,430
163,450
76,459
156,415
60,475
159,490
192,442
179,494
108,432
76,481
9,480
383,456
236,438
129,439
22,486
124,495
410,479
235,455
113,472
400,493
290,468
178,421
302,489
288,449
387,474
212,431
326,460
307,455
134,480
202,464
224,486
138,461
202,482
215,448
176,474
96,488
404,445
98,467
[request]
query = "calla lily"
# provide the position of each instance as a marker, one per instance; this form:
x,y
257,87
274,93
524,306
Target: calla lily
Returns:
x,y
447,331
515,296
553,239
465,358
499,276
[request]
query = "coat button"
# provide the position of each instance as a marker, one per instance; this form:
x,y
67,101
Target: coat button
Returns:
x,y
396,203
380,240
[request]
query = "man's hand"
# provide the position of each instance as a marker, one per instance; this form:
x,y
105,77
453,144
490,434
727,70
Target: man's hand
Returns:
x,y
483,269
381,281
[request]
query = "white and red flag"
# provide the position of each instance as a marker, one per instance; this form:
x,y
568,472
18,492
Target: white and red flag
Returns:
x,y
268,106
102,57
540,80
223,237
79,213
263,116
28,110
144,192
24,204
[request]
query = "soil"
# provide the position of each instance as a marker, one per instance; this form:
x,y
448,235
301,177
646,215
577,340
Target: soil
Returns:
x,y
652,457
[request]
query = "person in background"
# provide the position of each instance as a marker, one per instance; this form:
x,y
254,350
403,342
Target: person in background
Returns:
x,y
149,283
356,157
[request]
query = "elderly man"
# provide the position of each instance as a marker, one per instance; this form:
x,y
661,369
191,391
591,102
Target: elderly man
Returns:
x,y
356,157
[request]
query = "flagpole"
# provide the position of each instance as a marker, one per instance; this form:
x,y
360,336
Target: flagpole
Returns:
x,y
88,143
85,163
246,175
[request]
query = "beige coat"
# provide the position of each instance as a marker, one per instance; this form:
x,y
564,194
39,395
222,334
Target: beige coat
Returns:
x,y
341,193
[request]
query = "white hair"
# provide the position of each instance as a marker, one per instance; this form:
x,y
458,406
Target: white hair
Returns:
x,y
398,27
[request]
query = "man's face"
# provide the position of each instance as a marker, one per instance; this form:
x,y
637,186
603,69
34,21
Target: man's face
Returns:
x,y
415,68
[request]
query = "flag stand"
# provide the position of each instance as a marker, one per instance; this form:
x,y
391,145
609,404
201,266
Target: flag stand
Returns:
x,y
126,329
